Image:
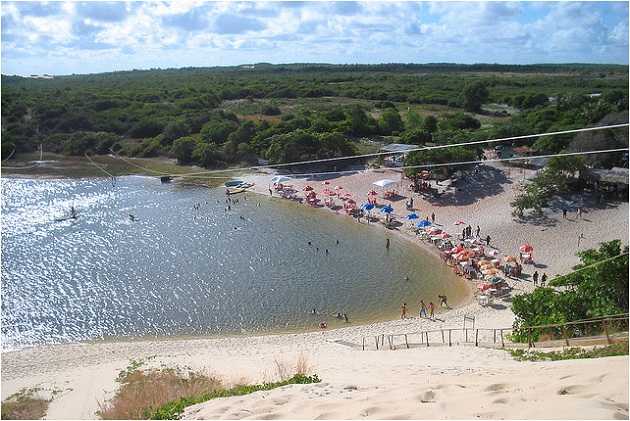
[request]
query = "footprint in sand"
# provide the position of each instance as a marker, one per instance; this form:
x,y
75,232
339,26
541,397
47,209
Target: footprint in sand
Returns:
x,y
570,390
269,416
427,397
497,388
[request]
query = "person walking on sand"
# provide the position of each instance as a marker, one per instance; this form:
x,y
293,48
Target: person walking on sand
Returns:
x,y
578,213
580,238
478,231
431,310
488,240
564,213
543,280
270,192
403,311
535,278
423,308
433,217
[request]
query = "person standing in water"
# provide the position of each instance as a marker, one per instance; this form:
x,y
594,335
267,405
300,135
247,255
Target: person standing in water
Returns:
x,y
387,244
431,310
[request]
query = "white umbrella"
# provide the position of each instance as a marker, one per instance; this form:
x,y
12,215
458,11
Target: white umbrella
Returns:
x,y
280,179
384,183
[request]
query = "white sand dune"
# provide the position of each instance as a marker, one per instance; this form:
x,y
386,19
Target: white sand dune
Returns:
x,y
435,382
439,383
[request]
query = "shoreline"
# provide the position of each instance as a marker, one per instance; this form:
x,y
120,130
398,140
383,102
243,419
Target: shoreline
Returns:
x,y
87,371
383,318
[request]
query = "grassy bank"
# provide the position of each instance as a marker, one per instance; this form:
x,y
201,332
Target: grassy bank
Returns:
x,y
56,165
164,393
620,348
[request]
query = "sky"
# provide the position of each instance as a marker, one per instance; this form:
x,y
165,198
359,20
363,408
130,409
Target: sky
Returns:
x,y
91,37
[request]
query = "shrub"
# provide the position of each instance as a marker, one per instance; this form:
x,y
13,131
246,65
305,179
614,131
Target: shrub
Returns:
x,y
24,405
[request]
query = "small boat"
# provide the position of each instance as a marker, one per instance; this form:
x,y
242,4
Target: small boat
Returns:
x,y
234,190
233,183
166,179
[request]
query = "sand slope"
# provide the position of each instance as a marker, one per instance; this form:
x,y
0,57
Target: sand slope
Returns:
x,y
440,383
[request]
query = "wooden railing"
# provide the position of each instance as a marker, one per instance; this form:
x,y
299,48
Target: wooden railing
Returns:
x,y
611,327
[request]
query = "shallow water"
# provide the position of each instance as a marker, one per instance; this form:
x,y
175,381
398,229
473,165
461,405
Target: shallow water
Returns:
x,y
181,271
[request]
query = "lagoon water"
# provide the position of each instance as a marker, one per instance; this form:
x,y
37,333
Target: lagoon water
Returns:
x,y
177,270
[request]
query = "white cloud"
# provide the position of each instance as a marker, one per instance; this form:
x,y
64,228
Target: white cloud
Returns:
x,y
194,31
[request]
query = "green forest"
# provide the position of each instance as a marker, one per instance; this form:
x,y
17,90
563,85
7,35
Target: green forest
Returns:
x,y
233,116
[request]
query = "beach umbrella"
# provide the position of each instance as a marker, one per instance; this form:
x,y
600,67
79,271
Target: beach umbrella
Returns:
x,y
387,209
423,224
526,248
367,206
308,188
279,179
412,216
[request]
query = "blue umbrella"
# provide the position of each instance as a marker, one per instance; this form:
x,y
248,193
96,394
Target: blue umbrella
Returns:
x,y
423,224
412,216
387,209
367,206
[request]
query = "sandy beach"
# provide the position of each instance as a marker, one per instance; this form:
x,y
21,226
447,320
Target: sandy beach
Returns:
x,y
436,382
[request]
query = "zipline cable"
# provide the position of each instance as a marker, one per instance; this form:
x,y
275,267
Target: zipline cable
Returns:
x,y
423,148
483,161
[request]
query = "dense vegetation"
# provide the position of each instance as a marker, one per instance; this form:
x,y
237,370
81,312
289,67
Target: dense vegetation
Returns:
x,y
598,287
219,117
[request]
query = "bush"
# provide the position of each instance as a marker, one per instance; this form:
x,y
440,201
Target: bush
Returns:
x,y
183,149
24,405
599,287
620,348
270,109
146,128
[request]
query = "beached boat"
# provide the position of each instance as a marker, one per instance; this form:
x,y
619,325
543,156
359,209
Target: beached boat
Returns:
x,y
233,183
234,190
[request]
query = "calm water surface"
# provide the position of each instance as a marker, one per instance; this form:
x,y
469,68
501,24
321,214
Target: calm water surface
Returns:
x,y
181,271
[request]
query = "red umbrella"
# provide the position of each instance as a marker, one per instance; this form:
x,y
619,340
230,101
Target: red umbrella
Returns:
x,y
526,248
329,192
459,222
